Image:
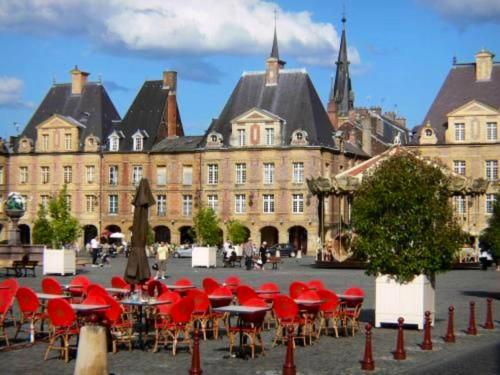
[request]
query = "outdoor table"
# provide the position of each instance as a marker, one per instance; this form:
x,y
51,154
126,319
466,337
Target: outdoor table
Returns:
x,y
258,291
118,290
181,288
88,308
48,296
4,287
219,298
348,297
306,302
240,310
140,304
68,287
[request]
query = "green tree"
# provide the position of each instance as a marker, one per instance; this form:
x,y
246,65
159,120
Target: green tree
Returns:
x,y
490,237
206,227
237,233
404,221
42,230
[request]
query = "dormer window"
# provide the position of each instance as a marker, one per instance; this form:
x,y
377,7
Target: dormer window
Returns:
x,y
299,136
213,138
114,143
138,142
428,132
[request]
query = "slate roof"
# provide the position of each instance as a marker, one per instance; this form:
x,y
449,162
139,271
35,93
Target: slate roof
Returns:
x,y
145,114
294,99
180,144
93,109
459,88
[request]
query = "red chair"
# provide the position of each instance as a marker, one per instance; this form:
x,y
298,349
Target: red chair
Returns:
x,y
315,285
209,285
77,288
296,288
309,311
201,312
273,290
163,317
13,286
63,324
50,285
232,282
156,288
119,282
251,326
352,308
29,306
6,302
244,292
120,328
287,315
183,282
95,289
226,297
179,325
330,311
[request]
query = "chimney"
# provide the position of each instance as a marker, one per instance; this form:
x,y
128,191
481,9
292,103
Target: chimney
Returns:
x,y
170,84
332,113
367,134
484,65
401,121
78,80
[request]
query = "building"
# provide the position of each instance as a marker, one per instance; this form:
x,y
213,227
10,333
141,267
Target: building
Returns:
x,y
461,129
251,164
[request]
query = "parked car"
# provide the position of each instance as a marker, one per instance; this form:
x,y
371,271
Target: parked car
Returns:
x,y
286,249
183,252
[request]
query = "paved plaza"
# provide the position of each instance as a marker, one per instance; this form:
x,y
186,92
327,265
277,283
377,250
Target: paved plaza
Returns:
x,y
328,355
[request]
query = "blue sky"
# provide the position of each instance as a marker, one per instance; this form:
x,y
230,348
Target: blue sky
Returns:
x,y
401,50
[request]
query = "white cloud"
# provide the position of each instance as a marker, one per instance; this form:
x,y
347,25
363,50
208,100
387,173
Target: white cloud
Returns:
x,y
169,28
467,11
11,91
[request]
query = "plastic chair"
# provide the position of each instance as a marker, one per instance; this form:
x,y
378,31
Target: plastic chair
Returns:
x,y
156,288
287,315
244,292
95,289
330,311
13,286
119,282
201,312
209,285
50,285
119,327
163,318
352,308
251,326
220,302
315,285
232,282
296,288
270,287
310,312
6,302
77,288
183,282
29,306
64,326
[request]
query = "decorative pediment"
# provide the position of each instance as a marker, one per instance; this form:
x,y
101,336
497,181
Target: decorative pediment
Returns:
x,y
214,140
25,145
60,122
474,108
257,115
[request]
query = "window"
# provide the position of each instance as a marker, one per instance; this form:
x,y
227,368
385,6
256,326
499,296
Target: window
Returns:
x,y
242,137
45,175
240,203
491,131
459,203
23,175
161,175
161,205
114,143
268,203
187,205
298,173
459,132
459,167
299,136
113,204
138,143
1,176
213,174
268,173
213,202
490,202
492,170
68,142
241,173
113,175
213,138
68,174
45,142
136,174
91,201
428,132
44,201
187,175
90,174
25,201
298,203
269,136
69,201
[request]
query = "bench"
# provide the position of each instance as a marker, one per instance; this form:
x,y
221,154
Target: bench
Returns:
x,y
18,266
232,263
275,261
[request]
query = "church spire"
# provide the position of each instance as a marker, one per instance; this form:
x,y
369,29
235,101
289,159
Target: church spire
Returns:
x,y
273,63
274,51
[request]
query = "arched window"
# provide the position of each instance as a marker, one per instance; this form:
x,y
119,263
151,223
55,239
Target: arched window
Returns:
x,y
428,132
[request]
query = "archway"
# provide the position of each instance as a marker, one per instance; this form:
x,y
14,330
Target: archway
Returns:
x,y
89,231
270,235
186,235
24,234
297,236
162,233
113,228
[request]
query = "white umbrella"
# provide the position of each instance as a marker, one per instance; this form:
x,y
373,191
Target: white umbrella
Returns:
x,y
117,235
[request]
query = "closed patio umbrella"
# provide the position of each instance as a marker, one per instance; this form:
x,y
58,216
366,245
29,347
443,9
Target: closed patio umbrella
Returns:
x,y
137,270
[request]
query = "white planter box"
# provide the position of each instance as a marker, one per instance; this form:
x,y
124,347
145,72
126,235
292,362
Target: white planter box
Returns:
x,y
410,301
59,261
204,257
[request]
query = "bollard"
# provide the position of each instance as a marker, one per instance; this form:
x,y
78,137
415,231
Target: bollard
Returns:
x,y
427,343
400,352
195,359
92,355
472,330
450,335
367,363
489,315
289,366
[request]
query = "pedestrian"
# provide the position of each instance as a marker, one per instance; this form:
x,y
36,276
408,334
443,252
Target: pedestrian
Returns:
x,y
248,254
263,254
161,257
95,246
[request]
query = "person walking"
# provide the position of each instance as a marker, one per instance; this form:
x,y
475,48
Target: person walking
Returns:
x,y
161,256
95,247
248,254
263,254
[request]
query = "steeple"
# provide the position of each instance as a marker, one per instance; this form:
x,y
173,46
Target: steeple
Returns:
x,y
274,51
341,99
273,63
